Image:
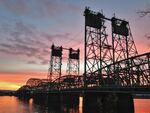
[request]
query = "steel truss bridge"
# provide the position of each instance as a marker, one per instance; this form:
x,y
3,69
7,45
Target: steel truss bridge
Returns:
x,y
108,67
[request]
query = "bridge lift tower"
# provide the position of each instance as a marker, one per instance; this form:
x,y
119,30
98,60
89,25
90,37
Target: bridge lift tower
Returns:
x,y
102,59
122,40
123,48
55,69
97,49
73,62
55,63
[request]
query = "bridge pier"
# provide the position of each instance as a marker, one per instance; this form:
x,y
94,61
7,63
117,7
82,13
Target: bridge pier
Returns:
x,y
40,98
25,94
93,102
107,103
56,98
61,101
70,98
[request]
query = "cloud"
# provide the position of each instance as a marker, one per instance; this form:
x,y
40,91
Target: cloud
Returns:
x,y
144,12
38,8
56,36
147,36
32,62
15,6
18,49
26,40
44,62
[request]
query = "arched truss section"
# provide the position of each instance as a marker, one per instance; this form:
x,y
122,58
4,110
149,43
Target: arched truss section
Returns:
x,y
24,87
136,73
33,82
66,82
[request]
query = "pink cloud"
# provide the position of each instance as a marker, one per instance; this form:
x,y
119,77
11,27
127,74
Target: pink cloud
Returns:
x,y
27,40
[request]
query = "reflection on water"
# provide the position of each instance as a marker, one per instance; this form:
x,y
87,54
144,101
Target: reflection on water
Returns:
x,y
80,104
30,105
11,104
142,105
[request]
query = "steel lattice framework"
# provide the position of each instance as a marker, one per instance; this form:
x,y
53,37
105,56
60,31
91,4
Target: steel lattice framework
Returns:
x,y
136,74
77,82
122,40
107,67
116,58
73,64
123,47
97,49
55,63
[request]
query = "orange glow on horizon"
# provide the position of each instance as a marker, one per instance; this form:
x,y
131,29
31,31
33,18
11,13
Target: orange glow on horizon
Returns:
x,y
9,86
12,81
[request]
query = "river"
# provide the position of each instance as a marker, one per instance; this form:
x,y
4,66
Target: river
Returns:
x,y
11,104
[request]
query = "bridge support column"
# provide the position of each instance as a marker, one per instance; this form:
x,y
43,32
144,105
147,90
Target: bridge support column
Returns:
x,y
40,98
107,103
59,101
54,98
70,98
25,95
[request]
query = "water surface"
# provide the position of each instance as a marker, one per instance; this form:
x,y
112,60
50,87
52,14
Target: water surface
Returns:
x,y
11,104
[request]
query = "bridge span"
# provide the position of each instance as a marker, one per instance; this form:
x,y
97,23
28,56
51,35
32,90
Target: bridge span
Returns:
x,y
139,80
113,69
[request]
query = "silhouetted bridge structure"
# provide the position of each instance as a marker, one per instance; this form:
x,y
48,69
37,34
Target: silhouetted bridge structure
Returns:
x,y
116,81
109,69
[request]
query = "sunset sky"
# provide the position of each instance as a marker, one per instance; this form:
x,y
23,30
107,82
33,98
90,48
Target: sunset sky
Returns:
x,y
29,27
